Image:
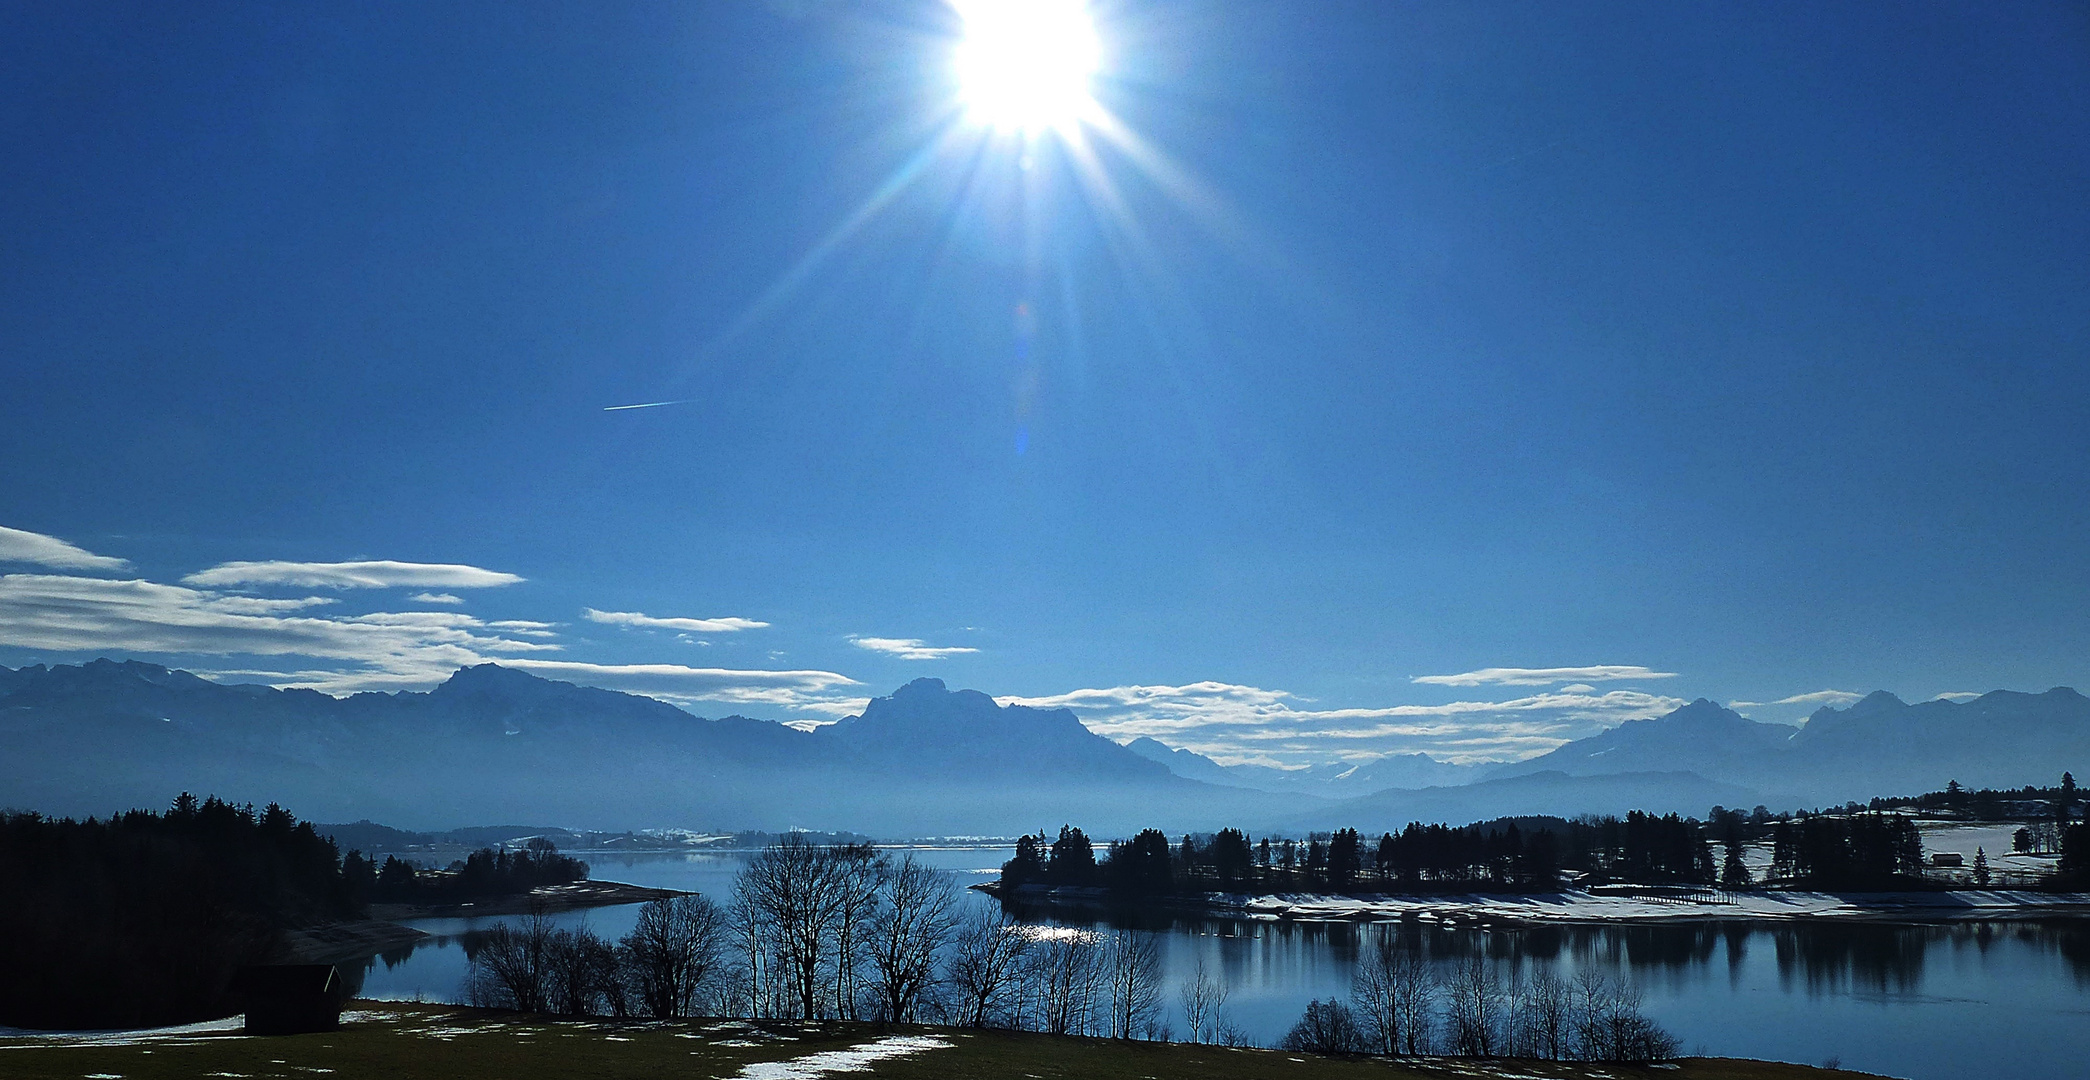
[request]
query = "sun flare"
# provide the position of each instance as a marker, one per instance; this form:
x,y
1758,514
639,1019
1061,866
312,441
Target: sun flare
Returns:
x,y
1026,65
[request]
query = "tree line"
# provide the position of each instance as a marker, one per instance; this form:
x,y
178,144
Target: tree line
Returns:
x,y
844,931
1507,854
2059,804
484,873
140,918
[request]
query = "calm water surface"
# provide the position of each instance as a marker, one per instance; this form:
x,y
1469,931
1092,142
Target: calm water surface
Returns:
x,y
1925,1002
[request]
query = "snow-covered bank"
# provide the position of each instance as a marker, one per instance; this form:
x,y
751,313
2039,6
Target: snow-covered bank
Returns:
x,y
1654,905
1607,904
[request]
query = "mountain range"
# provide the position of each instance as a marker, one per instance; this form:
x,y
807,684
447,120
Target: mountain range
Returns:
x,y
1879,745
492,743
495,744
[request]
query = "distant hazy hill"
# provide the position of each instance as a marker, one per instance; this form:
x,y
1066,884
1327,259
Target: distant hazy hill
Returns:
x,y
1700,737
495,744
1545,793
2000,739
1333,780
1879,746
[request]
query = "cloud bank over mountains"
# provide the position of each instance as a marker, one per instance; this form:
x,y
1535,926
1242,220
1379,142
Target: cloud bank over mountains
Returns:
x,y
910,648
343,652
297,639
1507,676
700,626
1250,725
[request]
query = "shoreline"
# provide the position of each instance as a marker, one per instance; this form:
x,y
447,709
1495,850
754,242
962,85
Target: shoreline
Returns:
x,y
1575,906
544,898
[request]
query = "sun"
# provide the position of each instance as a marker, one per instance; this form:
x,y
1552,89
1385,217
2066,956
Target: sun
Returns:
x,y
1027,65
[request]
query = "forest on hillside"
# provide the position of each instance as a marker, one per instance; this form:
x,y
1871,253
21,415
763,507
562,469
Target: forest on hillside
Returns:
x,y
142,917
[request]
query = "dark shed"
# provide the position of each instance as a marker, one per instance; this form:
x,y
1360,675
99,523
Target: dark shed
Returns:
x,y
288,999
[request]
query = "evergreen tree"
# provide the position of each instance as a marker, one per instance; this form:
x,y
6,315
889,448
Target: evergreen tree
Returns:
x,y
1981,875
1230,857
1344,859
1028,865
1072,860
1141,866
1734,873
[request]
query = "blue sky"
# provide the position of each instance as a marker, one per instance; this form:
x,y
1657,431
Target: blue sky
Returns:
x,y
1641,352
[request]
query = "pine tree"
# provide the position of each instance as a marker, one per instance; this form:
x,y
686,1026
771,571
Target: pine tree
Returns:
x,y
1734,873
1981,875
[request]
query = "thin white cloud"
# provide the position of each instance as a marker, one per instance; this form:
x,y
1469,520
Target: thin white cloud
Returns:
x,y
1957,695
81,614
1232,723
1816,697
22,546
366,574
701,626
910,648
383,650
695,688
436,598
1517,676
811,691
255,605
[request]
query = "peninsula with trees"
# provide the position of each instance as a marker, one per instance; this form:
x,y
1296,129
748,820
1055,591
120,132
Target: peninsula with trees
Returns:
x,y
1854,861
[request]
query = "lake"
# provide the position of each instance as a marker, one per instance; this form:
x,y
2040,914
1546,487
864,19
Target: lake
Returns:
x,y
1929,1002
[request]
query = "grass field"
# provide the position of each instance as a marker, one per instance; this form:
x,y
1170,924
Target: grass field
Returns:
x,y
440,1042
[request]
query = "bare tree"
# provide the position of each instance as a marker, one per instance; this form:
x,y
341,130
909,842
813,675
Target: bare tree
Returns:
x,y
1511,1030
1326,1028
752,984
1473,1008
911,924
1549,1017
1414,999
1371,1000
794,893
985,964
1622,1033
856,870
1589,1001
1061,976
1204,998
511,968
576,965
1132,975
674,952
1392,995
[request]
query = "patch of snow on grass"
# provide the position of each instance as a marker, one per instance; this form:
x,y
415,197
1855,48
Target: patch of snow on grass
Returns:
x,y
229,1027
854,1059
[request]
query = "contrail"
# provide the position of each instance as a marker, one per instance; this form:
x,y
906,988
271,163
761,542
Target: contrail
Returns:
x,y
642,405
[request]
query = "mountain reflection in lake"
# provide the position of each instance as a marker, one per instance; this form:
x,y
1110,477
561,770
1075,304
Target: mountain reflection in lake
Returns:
x,y
1927,1001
